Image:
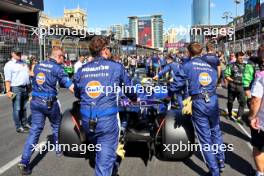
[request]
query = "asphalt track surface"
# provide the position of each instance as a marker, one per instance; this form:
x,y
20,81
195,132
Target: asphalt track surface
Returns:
x,y
238,162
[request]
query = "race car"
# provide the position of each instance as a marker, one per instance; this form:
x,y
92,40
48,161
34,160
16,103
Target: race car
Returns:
x,y
150,120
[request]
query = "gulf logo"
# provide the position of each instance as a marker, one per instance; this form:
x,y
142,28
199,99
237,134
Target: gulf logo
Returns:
x,y
93,89
40,78
205,79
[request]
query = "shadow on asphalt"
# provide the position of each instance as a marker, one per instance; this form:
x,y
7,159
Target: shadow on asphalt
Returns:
x,y
231,130
40,156
232,159
197,169
239,164
139,150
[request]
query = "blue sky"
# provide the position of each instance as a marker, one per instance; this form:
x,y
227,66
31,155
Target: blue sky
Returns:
x,y
103,13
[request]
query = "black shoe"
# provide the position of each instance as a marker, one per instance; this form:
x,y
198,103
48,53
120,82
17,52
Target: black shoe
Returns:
x,y
22,130
207,174
23,169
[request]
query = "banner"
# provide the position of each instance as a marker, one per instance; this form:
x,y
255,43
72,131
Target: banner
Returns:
x,y
144,32
252,10
175,45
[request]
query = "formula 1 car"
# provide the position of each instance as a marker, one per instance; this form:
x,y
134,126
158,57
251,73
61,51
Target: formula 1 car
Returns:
x,y
150,120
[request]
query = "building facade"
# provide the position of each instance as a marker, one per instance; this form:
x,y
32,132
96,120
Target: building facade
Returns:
x,y
120,31
249,29
201,12
200,18
157,30
133,27
75,18
147,30
171,36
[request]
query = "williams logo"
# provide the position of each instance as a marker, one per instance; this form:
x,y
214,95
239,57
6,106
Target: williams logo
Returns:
x,y
205,79
93,89
40,78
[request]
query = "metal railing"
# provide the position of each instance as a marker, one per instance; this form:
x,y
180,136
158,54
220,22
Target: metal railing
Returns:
x,y
17,35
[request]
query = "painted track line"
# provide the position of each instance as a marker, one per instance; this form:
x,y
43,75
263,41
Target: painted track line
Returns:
x,y
243,129
12,163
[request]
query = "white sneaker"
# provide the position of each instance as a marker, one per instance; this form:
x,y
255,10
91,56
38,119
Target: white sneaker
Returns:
x,y
259,174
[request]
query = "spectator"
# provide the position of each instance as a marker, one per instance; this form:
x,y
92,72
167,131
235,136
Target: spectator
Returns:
x,y
253,65
89,58
233,74
232,58
257,122
155,64
32,63
133,65
148,66
212,59
117,58
223,67
163,62
79,63
248,55
125,62
17,88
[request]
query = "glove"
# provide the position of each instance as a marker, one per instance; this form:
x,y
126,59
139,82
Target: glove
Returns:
x,y
120,151
187,106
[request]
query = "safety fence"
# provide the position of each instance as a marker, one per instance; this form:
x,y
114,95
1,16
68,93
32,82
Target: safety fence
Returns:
x,y
245,44
16,35
31,44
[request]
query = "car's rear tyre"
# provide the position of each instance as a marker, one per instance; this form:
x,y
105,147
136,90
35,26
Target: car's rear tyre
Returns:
x,y
70,135
177,137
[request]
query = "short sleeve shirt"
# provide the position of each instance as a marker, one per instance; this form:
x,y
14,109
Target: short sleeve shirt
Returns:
x,y
257,90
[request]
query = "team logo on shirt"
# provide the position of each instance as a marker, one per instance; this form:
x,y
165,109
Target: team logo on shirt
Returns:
x,y
205,79
40,78
93,89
